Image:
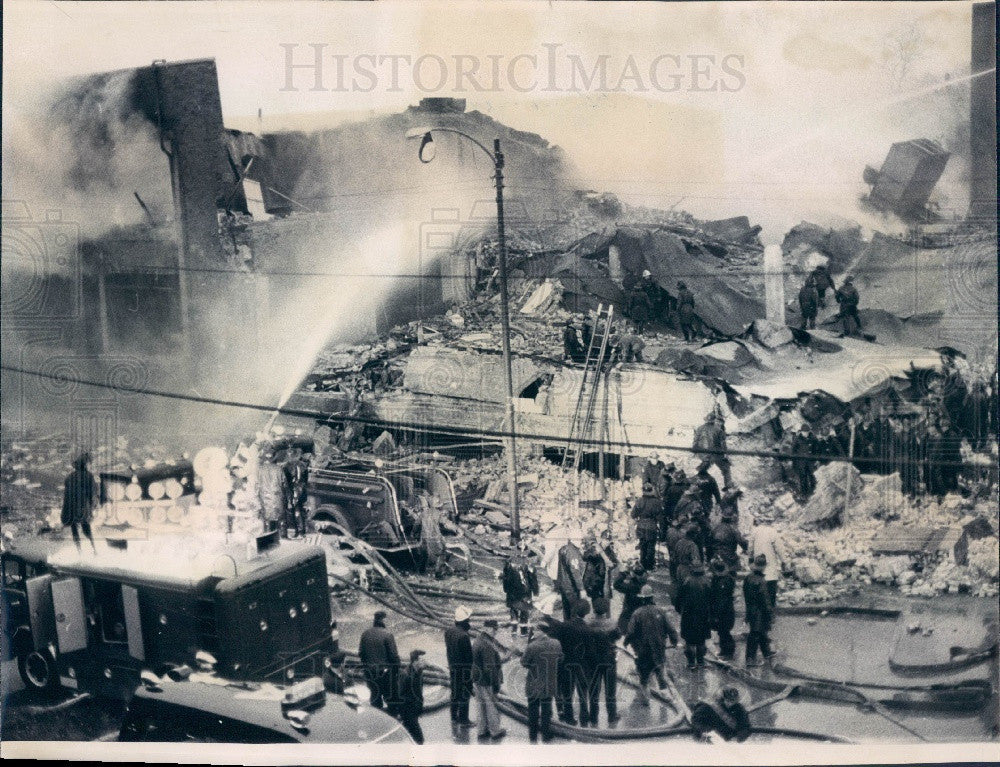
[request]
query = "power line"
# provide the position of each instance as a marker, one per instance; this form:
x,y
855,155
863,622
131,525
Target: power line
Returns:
x,y
456,431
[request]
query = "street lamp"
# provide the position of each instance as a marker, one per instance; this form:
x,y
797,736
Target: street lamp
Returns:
x,y
426,153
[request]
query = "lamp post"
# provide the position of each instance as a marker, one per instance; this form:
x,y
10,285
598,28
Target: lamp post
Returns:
x,y
426,154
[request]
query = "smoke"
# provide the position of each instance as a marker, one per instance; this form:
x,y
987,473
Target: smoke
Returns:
x,y
84,150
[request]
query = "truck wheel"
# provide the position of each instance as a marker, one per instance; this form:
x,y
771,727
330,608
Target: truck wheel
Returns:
x,y
38,670
331,513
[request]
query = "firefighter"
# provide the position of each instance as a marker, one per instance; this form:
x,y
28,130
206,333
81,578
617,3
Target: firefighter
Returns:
x,y
572,350
542,658
710,441
721,608
647,634
411,695
646,513
431,538
726,538
759,612
808,304
595,570
629,582
569,574
520,584
296,476
458,647
694,608
847,297
685,312
822,281
725,715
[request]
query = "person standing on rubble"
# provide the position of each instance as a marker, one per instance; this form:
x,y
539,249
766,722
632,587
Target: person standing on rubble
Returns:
x,y
458,648
726,538
647,634
542,658
675,491
602,635
572,350
79,499
802,448
808,304
487,678
569,575
685,312
654,473
710,442
759,612
646,513
822,281
380,660
692,604
766,543
731,503
722,610
638,307
848,298
674,535
708,489
629,583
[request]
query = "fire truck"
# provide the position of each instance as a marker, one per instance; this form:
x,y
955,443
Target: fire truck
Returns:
x,y
93,622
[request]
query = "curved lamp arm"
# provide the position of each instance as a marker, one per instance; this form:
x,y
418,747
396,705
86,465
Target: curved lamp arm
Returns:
x,y
427,131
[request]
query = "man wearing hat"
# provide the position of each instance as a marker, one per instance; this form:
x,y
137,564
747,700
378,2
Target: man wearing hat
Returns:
x,y
675,533
647,634
569,572
765,541
688,553
710,442
520,584
458,646
380,660
725,539
602,635
721,609
646,513
848,298
679,484
411,695
725,715
654,473
685,311
808,304
542,658
759,614
629,582
693,606
487,677
79,498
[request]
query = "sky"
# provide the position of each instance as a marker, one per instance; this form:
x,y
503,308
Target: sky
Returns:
x,y
805,93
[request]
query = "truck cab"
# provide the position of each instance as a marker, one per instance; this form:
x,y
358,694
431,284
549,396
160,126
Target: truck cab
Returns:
x,y
94,622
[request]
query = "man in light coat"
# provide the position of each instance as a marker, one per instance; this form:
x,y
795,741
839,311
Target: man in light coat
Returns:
x,y
764,540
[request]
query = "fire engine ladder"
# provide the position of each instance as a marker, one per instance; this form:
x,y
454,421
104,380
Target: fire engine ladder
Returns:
x,y
583,414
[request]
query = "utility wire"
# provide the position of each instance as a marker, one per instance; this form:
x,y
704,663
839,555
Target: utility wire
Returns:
x,y
457,431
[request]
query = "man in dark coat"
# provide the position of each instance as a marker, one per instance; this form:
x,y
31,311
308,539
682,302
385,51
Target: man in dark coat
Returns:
x,y
693,607
487,678
411,695
654,473
601,651
639,307
572,637
726,538
569,576
721,607
542,658
79,497
725,715
688,553
595,570
823,282
380,660
685,311
708,488
675,491
802,445
808,305
520,584
710,441
572,350
629,582
296,478
647,634
759,614
674,535
646,513
944,459
458,646
848,298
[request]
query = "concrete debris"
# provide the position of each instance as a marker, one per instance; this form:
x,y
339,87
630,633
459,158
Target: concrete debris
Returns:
x,y
828,504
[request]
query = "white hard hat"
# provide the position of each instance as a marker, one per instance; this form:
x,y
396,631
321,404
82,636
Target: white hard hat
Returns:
x,y
646,273
462,614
